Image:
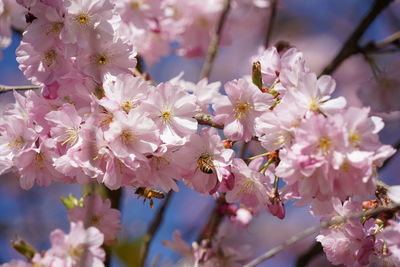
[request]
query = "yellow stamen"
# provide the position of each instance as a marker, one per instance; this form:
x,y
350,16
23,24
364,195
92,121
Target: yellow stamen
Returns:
x,y
241,109
128,105
324,143
49,57
127,137
82,19
72,136
19,142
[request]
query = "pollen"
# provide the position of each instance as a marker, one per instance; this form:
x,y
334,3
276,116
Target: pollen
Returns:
x,y
314,107
241,109
49,57
355,139
127,105
324,144
76,252
18,142
127,137
166,115
136,4
102,59
72,135
82,19
40,159
55,28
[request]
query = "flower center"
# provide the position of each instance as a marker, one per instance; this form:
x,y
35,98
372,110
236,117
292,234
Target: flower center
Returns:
x,y
127,137
247,186
72,136
49,57
82,19
355,139
55,28
241,109
324,143
40,158
76,252
102,59
127,105
166,115
18,142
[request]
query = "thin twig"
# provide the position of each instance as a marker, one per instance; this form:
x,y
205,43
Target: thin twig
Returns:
x,y
213,47
154,226
205,119
350,47
270,25
6,88
378,47
313,229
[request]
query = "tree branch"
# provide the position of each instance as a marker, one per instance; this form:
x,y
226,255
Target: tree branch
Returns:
x,y
214,220
313,229
205,119
350,47
6,88
213,47
373,47
270,25
154,226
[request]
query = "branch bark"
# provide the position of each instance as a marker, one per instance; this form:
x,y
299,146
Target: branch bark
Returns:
x,y
337,220
213,47
205,119
350,47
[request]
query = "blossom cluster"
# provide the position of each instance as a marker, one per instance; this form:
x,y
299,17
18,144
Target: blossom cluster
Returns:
x,y
93,224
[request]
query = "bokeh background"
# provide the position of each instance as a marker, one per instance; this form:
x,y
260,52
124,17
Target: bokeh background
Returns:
x,y
318,28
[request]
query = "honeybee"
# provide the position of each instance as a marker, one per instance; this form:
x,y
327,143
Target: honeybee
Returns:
x,y
205,163
149,193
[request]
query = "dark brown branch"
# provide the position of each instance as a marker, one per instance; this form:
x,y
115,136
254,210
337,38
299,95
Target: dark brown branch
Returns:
x,y
205,119
335,221
271,21
350,47
6,88
214,220
213,47
154,226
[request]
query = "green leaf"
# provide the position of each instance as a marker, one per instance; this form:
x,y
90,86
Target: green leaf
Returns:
x,y
71,202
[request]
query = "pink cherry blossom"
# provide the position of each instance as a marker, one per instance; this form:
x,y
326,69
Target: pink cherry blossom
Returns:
x,y
204,160
172,109
98,213
238,110
80,247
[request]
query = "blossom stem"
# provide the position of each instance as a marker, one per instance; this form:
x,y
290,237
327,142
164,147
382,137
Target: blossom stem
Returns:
x,y
350,47
213,47
154,226
266,165
257,156
6,88
271,20
375,47
335,221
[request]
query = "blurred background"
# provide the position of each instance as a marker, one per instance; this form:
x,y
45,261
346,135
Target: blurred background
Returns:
x,y
318,28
